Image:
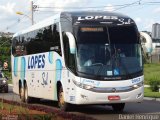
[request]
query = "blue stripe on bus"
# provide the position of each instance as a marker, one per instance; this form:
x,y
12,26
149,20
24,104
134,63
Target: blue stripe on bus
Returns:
x,y
58,69
50,57
15,67
23,68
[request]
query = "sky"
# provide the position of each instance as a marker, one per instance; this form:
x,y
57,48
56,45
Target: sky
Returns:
x,y
143,12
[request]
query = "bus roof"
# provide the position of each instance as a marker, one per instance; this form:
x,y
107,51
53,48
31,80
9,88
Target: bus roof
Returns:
x,y
96,13
72,15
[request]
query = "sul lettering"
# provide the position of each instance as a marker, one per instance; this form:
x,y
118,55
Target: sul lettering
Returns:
x,y
37,61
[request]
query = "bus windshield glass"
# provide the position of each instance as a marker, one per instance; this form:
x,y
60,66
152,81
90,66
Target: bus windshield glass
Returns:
x,y
108,51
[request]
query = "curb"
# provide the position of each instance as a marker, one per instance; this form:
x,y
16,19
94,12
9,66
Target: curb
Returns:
x,y
10,85
154,99
146,86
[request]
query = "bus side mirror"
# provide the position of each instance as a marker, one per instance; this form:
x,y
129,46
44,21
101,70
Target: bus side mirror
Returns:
x,y
72,43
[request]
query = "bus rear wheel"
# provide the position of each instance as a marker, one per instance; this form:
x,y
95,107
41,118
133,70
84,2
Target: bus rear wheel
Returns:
x,y
61,103
118,107
22,94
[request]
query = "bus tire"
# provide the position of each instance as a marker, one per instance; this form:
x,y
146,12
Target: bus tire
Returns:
x,y
22,94
27,98
118,107
61,103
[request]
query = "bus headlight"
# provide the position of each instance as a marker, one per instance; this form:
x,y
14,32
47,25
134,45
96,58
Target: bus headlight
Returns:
x,y
138,85
81,85
87,87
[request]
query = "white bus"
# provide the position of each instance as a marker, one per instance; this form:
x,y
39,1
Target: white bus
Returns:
x,y
79,58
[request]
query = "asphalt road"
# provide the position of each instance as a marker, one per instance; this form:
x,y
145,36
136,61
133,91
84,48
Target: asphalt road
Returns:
x,y
131,111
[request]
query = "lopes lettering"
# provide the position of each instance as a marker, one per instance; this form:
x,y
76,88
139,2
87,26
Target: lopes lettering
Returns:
x,y
36,61
97,17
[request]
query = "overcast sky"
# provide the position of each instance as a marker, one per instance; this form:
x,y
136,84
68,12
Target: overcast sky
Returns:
x,y
145,12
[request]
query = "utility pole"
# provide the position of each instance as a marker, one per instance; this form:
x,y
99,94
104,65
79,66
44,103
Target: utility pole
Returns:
x,y
32,18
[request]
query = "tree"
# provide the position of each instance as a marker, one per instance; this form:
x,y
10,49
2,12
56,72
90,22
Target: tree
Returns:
x,y
5,50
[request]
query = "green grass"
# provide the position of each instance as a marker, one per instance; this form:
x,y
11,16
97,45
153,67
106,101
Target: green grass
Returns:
x,y
149,93
24,113
151,72
10,108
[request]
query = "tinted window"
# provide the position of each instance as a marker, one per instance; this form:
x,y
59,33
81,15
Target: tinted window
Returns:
x,y
123,35
14,41
38,41
0,75
44,40
98,34
69,58
18,46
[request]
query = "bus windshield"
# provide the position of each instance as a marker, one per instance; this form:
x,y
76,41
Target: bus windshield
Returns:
x,y
108,51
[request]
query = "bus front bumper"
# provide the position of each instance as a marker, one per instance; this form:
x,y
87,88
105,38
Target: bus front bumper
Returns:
x,y
88,97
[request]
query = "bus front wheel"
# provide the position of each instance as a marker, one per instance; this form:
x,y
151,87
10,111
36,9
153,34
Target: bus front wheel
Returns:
x,y
61,103
118,107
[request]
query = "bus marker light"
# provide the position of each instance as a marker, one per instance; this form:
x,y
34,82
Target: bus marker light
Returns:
x,y
113,97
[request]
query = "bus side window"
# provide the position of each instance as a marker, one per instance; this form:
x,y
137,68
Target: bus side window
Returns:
x,y
38,41
18,46
56,39
14,42
69,58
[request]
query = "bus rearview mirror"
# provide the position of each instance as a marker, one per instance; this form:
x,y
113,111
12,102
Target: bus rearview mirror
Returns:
x,y
72,44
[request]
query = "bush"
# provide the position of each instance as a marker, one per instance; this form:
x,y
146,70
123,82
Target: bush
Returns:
x,y
154,85
151,72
